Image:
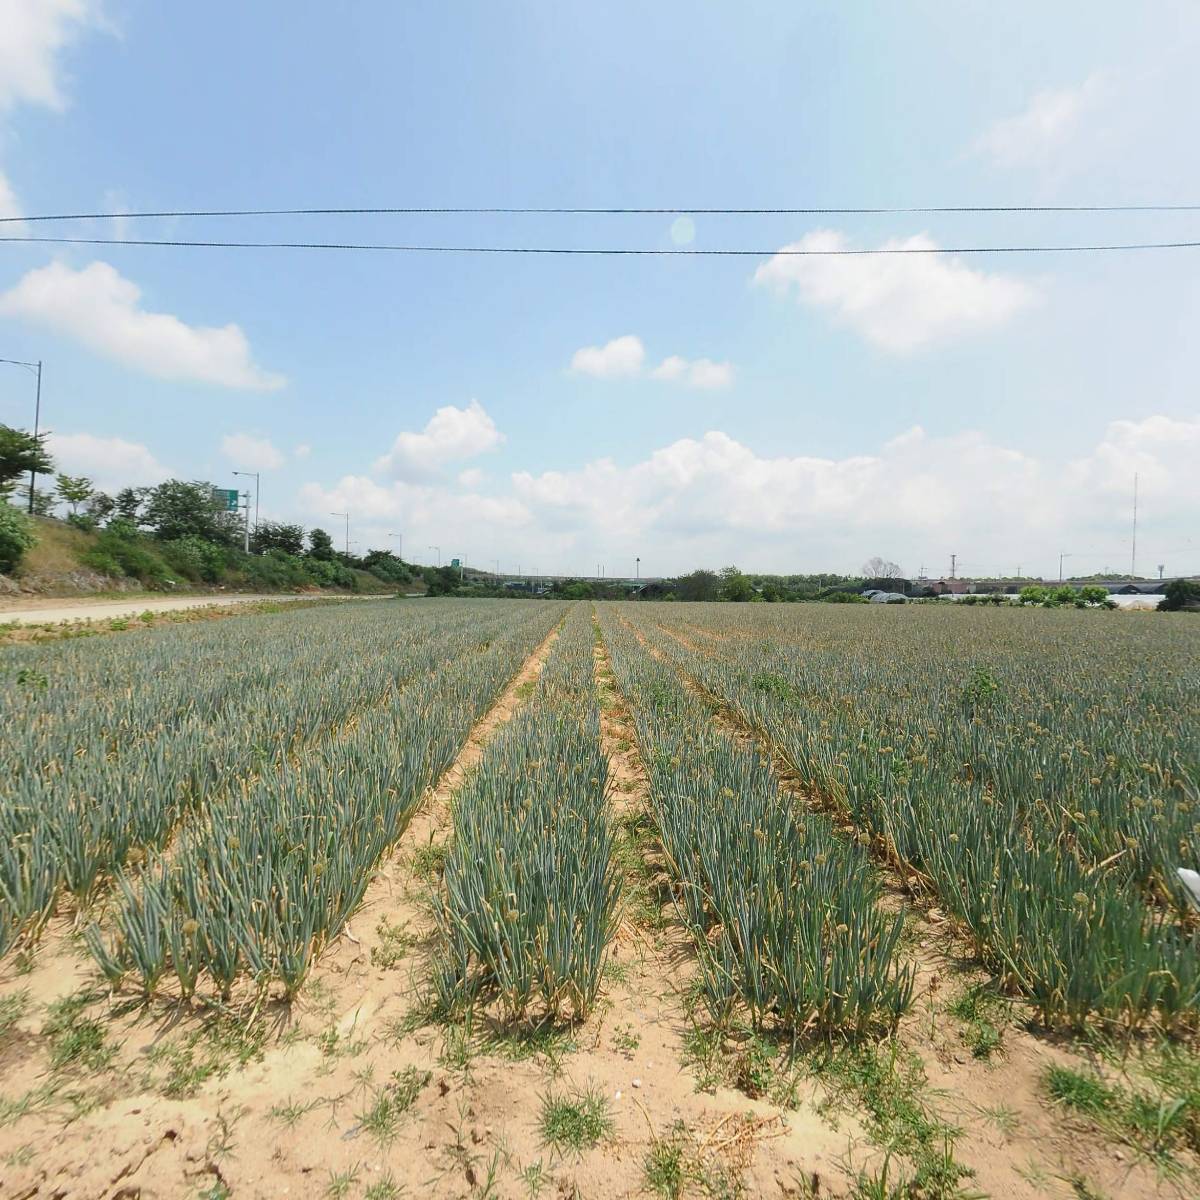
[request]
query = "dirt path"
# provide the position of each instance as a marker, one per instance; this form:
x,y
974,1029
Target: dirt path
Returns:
x,y
85,608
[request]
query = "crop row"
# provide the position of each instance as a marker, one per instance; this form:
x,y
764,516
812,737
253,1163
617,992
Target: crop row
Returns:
x,y
531,890
997,772
80,825
784,914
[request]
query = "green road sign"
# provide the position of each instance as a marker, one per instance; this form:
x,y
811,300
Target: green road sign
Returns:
x,y
454,562
229,497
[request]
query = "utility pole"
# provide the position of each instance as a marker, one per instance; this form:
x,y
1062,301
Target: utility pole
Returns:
x,y
1060,566
1161,568
255,476
439,553
637,573
496,562
1133,552
399,545
347,516
36,368
953,564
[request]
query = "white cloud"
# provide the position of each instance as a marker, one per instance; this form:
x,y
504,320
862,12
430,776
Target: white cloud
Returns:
x,y
471,478
622,357
303,450
100,308
712,500
1036,135
699,373
110,462
250,453
451,434
9,205
899,302
33,34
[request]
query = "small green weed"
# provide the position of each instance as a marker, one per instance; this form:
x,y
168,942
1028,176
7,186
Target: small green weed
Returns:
x,y
575,1121
395,941
12,1008
76,1040
382,1119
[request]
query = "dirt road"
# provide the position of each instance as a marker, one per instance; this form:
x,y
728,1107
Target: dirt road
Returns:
x,y
83,608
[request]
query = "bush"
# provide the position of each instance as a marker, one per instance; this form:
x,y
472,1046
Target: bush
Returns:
x,y
1179,594
843,598
194,558
131,556
16,536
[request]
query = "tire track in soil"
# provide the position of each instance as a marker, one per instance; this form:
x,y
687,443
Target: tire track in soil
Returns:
x,y
965,1086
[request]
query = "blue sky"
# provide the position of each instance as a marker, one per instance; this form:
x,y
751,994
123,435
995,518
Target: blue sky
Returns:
x,y
783,414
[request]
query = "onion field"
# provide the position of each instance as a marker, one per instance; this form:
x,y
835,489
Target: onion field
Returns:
x,y
548,852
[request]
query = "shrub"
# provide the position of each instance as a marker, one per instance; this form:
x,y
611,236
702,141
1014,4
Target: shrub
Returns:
x,y
16,536
194,558
131,556
1178,594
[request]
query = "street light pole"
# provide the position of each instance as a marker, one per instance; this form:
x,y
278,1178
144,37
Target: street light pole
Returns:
x,y
439,553
399,544
638,570
257,482
347,516
37,410
1060,566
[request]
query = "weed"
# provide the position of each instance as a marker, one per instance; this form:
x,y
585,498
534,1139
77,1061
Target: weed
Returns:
x,y
12,1008
457,1048
340,1182
664,1168
535,1177
982,1010
1084,1093
429,861
76,1040
291,1112
575,1120
394,943
382,1119
383,1189
626,1040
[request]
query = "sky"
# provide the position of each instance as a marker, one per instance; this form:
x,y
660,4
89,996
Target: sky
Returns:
x,y
655,414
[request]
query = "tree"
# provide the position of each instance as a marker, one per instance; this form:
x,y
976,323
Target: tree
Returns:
x,y
276,535
735,586
74,490
127,505
699,585
881,568
21,453
176,509
320,545
100,506
16,536
1179,594
41,503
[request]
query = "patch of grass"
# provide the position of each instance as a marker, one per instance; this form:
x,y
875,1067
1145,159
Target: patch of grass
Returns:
x,y
339,1183
887,1084
335,1044
983,1012
535,1177
291,1112
575,1121
12,1008
458,1048
429,861
664,1168
1084,1093
519,1043
1156,1124
384,1189
23,1105
76,1040
211,1051
382,1119
1005,1119
626,1040
395,941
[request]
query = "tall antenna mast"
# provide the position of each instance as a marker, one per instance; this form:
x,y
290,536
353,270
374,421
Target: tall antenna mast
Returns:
x,y
1133,552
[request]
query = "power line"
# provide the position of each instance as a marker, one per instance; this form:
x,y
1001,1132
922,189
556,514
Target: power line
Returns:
x,y
786,252
929,210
